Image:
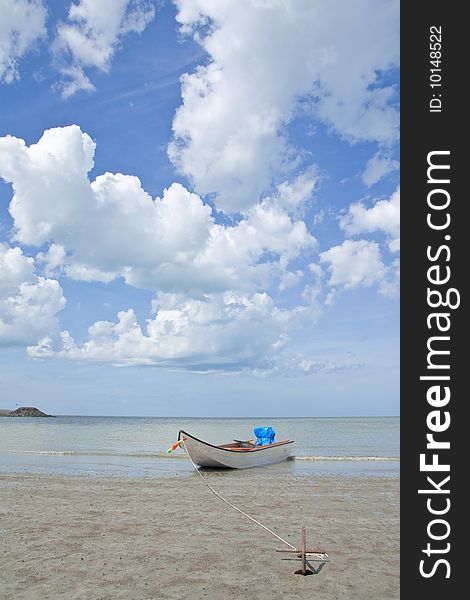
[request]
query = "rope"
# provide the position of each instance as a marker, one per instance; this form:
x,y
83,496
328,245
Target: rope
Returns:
x,y
231,505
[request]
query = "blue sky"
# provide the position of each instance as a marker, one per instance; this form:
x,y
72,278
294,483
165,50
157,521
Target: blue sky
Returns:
x,y
199,207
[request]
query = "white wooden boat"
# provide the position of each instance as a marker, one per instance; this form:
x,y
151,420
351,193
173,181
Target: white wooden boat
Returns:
x,y
236,455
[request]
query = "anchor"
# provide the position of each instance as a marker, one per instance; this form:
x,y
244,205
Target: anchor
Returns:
x,y
307,556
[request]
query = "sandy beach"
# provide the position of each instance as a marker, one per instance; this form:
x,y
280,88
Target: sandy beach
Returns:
x,y
88,538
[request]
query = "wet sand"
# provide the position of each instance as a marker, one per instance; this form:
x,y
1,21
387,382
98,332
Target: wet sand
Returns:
x,y
82,538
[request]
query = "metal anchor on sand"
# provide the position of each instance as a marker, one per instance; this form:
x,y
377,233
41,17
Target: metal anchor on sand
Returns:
x,y
307,556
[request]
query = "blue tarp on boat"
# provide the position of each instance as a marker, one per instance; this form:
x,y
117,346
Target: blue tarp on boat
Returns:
x,y
264,436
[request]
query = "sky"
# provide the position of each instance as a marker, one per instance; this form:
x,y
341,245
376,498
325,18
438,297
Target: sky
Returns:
x,y
199,207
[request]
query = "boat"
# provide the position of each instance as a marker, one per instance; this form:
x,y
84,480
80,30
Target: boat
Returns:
x,y
239,454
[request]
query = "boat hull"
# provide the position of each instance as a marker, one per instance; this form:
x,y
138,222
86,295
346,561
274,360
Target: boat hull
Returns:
x,y
208,455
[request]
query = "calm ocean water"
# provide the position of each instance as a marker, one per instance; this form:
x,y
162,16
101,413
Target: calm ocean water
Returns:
x,y
136,446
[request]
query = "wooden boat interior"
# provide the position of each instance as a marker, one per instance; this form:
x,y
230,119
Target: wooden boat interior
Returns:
x,y
248,445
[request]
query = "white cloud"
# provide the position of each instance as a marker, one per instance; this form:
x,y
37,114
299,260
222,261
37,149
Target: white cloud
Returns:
x,y
22,23
215,280
216,316
354,263
213,310
53,259
292,195
390,284
91,36
111,227
383,216
290,279
229,133
225,332
357,263
377,167
295,365
315,269
28,303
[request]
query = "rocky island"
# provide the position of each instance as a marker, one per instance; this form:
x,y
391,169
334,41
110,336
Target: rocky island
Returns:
x,y
23,411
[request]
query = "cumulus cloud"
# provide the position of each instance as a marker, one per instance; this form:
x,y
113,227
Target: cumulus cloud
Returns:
x,y
383,216
354,263
377,167
290,279
293,195
111,227
213,313
22,23
215,278
265,60
223,332
213,308
28,303
357,263
91,36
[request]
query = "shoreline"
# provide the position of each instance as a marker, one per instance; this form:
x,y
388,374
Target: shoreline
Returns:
x,y
60,464
116,538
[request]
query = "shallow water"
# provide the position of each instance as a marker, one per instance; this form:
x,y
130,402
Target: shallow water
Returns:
x,y
136,446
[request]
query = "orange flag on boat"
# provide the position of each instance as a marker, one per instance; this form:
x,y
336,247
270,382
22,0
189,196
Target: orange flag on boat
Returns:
x,y
176,445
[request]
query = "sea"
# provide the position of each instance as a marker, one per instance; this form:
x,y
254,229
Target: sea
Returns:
x,y
137,446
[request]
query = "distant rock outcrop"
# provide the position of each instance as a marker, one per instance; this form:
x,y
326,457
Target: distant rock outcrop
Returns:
x,y
25,411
